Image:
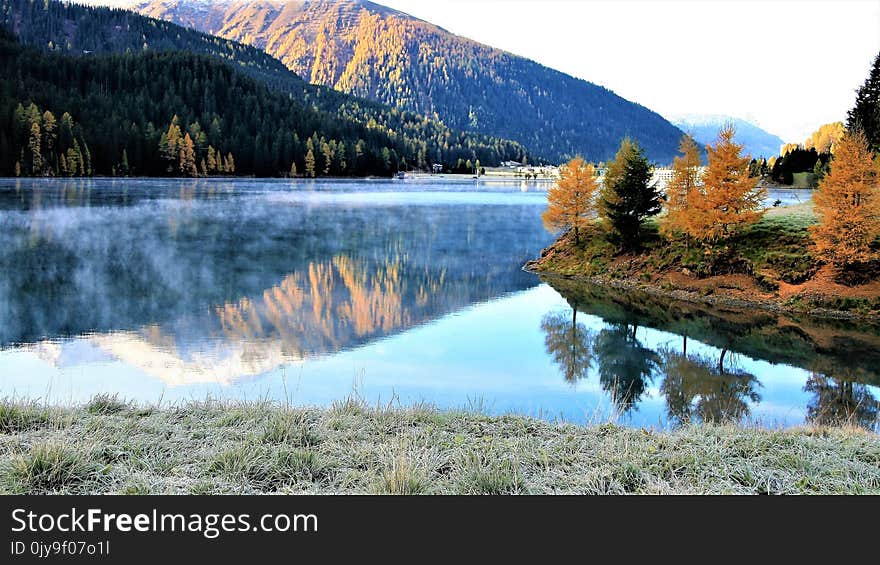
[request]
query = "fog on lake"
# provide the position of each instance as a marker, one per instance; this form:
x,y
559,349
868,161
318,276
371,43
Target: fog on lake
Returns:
x,y
396,291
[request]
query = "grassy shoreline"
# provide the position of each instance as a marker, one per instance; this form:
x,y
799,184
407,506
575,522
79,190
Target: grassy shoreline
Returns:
x,y
114,447
772,269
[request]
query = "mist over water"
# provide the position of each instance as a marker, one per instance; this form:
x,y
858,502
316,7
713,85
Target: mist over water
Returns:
x,y
399,291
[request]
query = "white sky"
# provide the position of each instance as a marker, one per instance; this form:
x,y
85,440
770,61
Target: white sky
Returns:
x,y
786,65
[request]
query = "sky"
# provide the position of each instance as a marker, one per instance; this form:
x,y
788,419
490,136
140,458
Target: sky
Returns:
x,y
787,66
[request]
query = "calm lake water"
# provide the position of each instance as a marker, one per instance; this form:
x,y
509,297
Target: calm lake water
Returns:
x,y
397,291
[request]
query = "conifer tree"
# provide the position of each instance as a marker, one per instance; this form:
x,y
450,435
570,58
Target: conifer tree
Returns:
x,y
170,146
628,198
187,165
50,135
865,115
230,164
729,197
847,203
34,154
685,175
212,160
310,164
570,202
327,157
292,169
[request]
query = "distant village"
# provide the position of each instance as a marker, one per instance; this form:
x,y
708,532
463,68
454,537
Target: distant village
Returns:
x,y
662,175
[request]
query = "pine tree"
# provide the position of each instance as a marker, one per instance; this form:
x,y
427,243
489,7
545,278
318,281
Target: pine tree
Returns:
x,y
72,161
327,157
570,202
170,145
86,160
187,164
729,197
865,115
124,164
293,169
50,136
848,205
212,160
341,164
230,164
310,164
34,155
685,175
18,168
628,198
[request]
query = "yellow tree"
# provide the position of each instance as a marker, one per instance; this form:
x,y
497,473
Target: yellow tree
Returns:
x,y
187,165
685,174
729,197
848,205
570,202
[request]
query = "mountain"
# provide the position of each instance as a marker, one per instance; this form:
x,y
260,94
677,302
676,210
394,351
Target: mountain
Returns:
x,y
368,50
87,32
704,129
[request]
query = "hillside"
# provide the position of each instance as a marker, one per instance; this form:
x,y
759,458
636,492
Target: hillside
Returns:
x,y
365,49
129,113
71,29
758,143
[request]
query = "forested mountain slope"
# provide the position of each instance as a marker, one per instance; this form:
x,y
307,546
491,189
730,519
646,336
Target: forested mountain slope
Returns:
x,y
362,48
71,29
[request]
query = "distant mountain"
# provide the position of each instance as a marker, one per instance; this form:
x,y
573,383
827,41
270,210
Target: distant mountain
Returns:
x,y
758,143
362,48
412,140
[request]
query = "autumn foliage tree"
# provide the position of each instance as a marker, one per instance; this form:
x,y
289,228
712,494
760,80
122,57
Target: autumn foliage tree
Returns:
x,y
848,205
729,197
685,175
570,202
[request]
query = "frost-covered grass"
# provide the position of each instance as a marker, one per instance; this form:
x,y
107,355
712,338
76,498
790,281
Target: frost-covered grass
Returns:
x,y
210,447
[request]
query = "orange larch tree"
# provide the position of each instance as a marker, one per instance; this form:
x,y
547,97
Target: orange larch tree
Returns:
x,y
685,176
729,197
847,203
571,201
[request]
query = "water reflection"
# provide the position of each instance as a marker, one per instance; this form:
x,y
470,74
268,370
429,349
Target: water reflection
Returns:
x,y
699,388
708,384
839,401
626,367
164,289
570,344
214,281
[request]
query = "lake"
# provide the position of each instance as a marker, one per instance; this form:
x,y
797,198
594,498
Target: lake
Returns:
x,y
395,291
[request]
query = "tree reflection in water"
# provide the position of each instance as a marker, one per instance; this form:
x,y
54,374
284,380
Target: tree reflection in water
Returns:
x,y
626,367
569,343
699,388
842,357
841,401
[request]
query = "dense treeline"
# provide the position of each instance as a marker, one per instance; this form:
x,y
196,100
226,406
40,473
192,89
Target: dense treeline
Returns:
x,y
412,141
126,103
378,53
40,145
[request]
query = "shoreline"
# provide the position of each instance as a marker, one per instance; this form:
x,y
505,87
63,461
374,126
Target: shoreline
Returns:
x,y
685,295
109,446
